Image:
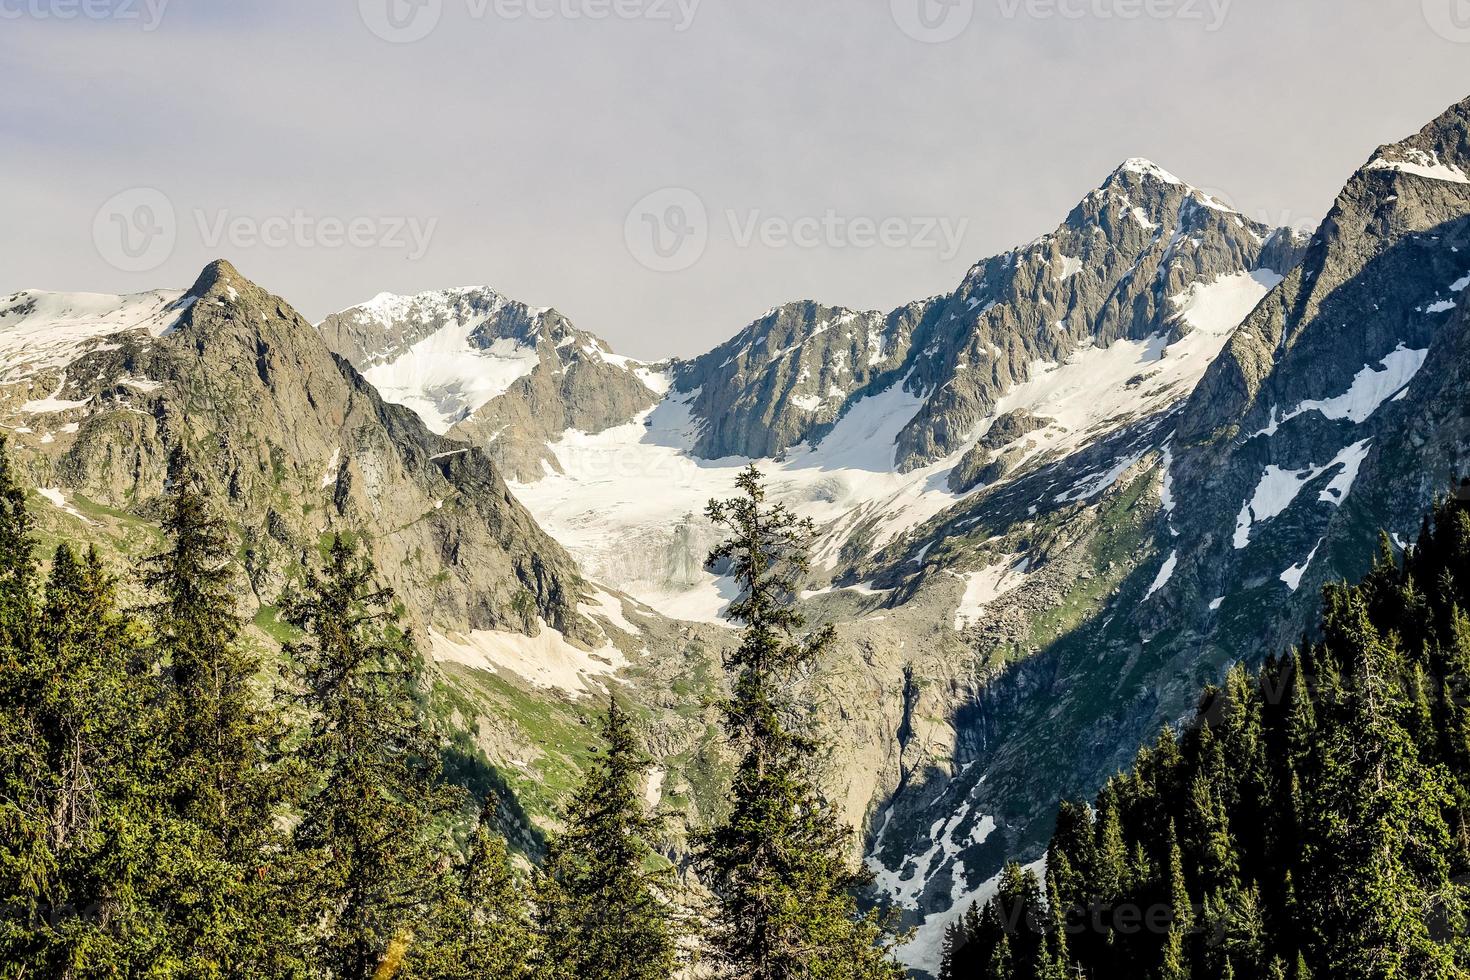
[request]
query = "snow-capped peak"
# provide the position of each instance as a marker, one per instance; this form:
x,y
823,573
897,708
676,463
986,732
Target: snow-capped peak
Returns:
x,y
1147,168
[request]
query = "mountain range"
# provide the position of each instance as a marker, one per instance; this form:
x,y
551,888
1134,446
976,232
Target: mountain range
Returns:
x,y
1050,504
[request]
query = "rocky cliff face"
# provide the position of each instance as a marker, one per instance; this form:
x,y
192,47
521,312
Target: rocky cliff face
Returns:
x,y
1118,268
300,445
491,371
788,376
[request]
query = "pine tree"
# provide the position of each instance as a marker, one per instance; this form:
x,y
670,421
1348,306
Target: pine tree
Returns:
x,y
1020,908
778,863
24,860
17,573
603,915
215,722
1380,840
370,825
1176,964
84,768
482,927
228,890
1058,964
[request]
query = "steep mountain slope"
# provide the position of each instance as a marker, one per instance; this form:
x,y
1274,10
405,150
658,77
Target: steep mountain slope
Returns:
x,y
787,377
1337,407
99,392
496,373
297,441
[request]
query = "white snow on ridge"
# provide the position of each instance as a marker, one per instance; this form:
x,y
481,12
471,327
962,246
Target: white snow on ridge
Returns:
x,y
1370,388
1422,164
545,660
445,378
1147,168
42,331
987,585
1278,488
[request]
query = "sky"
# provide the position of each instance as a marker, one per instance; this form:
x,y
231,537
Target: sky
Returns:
x,y
663,171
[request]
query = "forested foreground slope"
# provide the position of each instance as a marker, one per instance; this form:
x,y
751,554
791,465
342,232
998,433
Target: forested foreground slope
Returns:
x,y
1313,822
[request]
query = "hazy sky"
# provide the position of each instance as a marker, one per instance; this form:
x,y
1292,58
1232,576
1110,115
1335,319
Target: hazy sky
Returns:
x,y
663,171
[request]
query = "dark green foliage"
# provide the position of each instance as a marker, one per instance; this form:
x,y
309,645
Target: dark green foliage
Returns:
x,y
227,890
374,825
482,925
1313,822
84,839
603,915
778,863
144,806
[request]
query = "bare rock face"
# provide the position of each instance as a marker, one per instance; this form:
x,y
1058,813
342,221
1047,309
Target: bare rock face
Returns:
x,y
789,375
1110,272
300,445
985,462
1113,270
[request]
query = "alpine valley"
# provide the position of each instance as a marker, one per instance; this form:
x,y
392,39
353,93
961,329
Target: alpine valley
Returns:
x,y
1051,504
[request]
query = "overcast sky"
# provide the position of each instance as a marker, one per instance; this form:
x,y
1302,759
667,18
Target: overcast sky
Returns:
x,y
663,171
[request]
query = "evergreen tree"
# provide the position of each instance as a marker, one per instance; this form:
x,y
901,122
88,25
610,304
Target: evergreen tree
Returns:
x,y
1176,963
17,576
603,915
1380,841
81,791
370,826
228,893
24,860
1320,808
778,862
482,927
217,728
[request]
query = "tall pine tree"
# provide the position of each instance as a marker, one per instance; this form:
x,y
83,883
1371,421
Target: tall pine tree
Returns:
x,y
229,891
778,863
603,914
373,827
482,925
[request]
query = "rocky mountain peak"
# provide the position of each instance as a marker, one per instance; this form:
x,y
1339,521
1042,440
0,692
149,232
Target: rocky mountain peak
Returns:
x,y
1128,260
219,276
492,371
